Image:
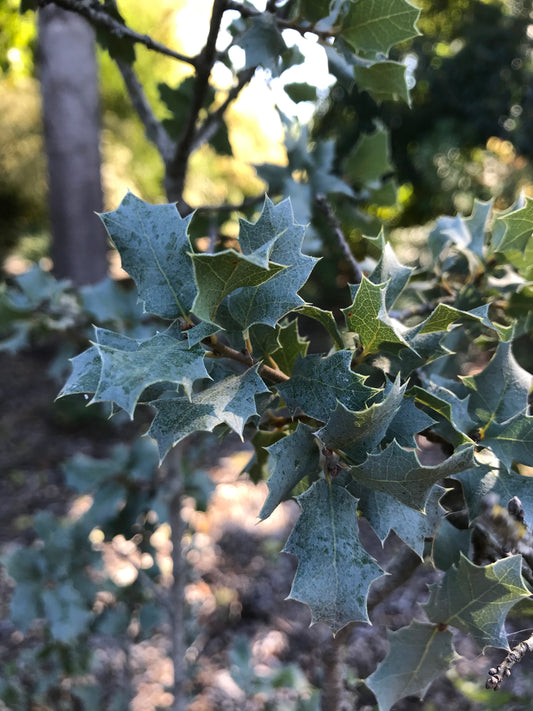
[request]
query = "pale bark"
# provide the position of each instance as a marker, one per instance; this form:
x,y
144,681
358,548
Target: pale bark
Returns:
x,y
69,86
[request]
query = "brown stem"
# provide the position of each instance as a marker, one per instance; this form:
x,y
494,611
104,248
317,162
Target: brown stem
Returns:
x,y
326,208
332,665
497,674
153,128
223,351
176,168
96,14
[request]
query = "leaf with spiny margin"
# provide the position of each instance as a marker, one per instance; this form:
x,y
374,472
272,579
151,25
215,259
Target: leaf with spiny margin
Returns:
x,y
500,390
282,344
448,405
268,302
383,81
291,459
326,319
418,654
476,599
108,301
511,441
408,421
217,275
397,471
318,383
499,480
367,316
357,433
377,25
370,158
334,570
518,229
257,467
230,401
384,513
200,331
477,225
262,43
129,369
389,270
154,248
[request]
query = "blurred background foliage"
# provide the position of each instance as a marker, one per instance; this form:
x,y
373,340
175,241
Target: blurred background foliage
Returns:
x,y
465,135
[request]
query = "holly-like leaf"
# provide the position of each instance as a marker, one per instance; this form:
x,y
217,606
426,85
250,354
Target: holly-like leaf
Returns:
x,y
326,319
270,301
500,390
476,599
230,401
334,570
499,480
85,376
383,80
398,472
318,383
477,225
389,270
217,275
370,158
518,229
262,43
357,433
408,421
291,459
511,441
418,654
384,513
154,248
377,25
448,405
367,316
129,369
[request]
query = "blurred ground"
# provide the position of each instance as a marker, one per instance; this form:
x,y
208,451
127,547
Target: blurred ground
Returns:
x,y
244,634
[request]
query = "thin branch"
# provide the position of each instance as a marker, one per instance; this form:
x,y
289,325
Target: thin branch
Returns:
x,y
96,14
212,123
177,167
503,670
223,351
154,129
282,24
326,208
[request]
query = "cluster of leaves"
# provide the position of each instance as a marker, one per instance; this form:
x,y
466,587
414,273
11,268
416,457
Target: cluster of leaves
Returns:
x,y
342,427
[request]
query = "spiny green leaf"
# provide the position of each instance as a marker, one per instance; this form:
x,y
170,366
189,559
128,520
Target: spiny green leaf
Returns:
x,y
398,472
326,319
383,80
447,404
477,225
357,433
367,316
499,480
500,390
318,383
518,229
385,513
408,421
85,376
268,302
511,441
230,401
377,25
389,270
291,459
476,599
154,248
370,158
418,654
127,371
217,275
334,570
262,43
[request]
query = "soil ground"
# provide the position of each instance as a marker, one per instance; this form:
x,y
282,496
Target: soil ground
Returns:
x,y
239,584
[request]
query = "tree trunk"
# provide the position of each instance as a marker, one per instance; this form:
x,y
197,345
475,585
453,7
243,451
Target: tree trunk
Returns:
x,y
69,87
